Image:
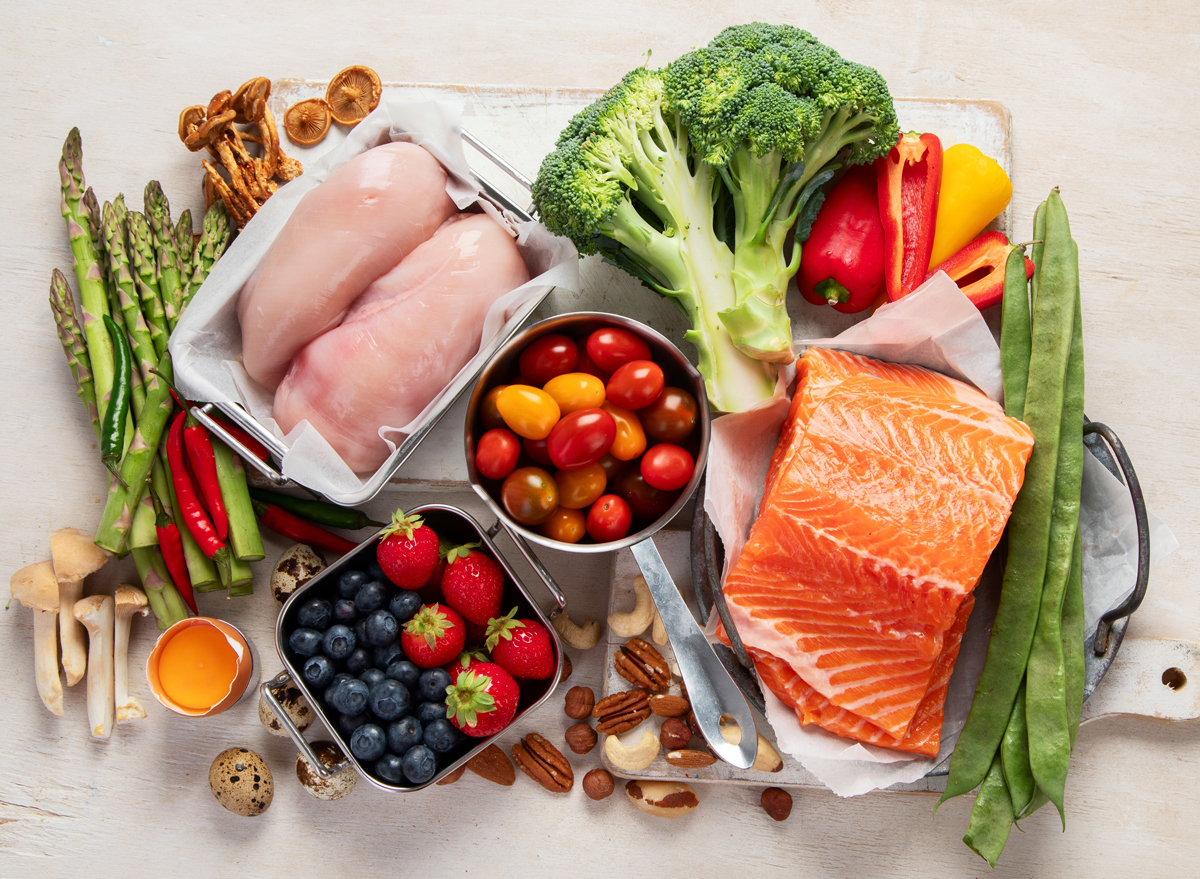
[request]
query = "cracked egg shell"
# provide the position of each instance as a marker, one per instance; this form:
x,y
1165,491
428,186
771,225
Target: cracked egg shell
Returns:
x,y
336,786
241,781
294,704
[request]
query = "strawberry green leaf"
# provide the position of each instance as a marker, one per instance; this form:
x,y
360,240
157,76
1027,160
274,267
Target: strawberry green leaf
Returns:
x,y
402,524
461,552
468,697
501,627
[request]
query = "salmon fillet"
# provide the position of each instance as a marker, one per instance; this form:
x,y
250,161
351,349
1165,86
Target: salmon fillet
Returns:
x,y
886,494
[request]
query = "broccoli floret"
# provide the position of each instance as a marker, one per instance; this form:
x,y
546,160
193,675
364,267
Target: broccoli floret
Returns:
x,y
776,113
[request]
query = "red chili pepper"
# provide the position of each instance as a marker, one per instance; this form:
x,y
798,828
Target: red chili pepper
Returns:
x,y
256,448
294,528
204,468
978,268
194,518
910,177
842,260
171,545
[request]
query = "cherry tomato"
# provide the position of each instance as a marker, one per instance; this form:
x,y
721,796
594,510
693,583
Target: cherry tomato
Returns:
x,y
586,365
574,391
646,501
581,438
536,449
580,488
630,440
672,417
635,384
497,453
489,415
569,526
547,357
667,466
609,519
529,495
529,412
610,347
611,466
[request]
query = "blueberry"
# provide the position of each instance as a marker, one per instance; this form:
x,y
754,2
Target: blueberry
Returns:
x,y
385,656
344,612
348,723
372,676
428,712
374,572
318,671
350,697
382,629
338,642
405,672
316,613
360,632
404,605
388,699
419,764
371,596
368,742
403,734
433,684
350,582
389,767
358,661
338,680
441,736
305,642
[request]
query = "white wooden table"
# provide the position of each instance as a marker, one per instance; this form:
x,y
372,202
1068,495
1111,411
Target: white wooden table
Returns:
x,y
1102,97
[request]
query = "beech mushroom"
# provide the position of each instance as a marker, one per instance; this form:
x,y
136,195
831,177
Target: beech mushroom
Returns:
x,y
36,587
130,601
308,121
352,94
75,555
250,100
96,613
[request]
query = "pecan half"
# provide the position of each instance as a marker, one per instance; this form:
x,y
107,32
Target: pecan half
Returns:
x,y
639,663
544,763
621,712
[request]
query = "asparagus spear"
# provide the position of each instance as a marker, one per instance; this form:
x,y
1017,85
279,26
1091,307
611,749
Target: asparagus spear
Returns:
x,y
113,231
184,246
213,240
145,274
70,333
244,536
158,212
91,206
164,597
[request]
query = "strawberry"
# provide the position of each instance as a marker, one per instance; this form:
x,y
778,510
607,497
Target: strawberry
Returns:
x,y
432,590
473,584
521,647
434,636
408,552
482,699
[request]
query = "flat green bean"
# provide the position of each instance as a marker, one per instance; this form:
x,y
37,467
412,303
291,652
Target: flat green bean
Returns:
x,y
991,817
1015,341
1014,756
1038,247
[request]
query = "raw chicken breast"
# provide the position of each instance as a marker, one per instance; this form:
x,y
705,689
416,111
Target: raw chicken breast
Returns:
x,y
343,235
402,341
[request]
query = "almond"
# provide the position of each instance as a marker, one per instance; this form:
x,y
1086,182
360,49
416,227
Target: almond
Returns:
x,y
669,706
689,759
492,764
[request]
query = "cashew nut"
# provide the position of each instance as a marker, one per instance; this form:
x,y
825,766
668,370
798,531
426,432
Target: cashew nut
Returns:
x,y
658,632
582,637
633,758
632,624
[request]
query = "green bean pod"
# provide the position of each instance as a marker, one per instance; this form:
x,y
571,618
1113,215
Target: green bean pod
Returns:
x,y
991,817
112,427
1073,638
1015,341
1038,247
1014,756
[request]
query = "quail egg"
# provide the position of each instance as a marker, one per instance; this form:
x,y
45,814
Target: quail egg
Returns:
x,y
241,781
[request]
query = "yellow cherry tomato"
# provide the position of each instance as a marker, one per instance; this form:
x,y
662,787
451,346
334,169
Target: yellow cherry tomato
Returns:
x,y
530,412
631,439
580,488
566,525
574,391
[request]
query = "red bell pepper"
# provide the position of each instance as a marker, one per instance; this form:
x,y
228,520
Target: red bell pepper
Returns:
x,y
910,177
978,268
842,260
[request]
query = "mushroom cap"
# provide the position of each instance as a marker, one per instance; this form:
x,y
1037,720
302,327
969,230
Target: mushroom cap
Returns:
x,y
131,598
220,102
307,122
250,100
191,118
353,93
87,607
75,554
35,586
210,130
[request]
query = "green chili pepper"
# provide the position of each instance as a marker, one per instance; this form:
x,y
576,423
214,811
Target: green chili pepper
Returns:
x,y
112,428
321,512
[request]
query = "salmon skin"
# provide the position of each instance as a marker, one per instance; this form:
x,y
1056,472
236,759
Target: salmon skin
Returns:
x,y
887,493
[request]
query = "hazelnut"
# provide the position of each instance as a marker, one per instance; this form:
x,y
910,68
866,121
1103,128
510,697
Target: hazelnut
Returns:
x,y
598,784
566,668
581,738
776,802
674,734
694,725
579,702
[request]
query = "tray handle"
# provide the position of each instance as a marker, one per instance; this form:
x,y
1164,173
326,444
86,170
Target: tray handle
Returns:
x,y
534,562
267,689
202,414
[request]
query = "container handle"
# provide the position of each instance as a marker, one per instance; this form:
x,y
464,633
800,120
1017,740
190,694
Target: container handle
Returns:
x,y
267,689
560,600
202,415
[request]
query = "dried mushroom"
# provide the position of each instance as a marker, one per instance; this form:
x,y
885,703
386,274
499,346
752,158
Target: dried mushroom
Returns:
x,y
353,93
308,121
250,101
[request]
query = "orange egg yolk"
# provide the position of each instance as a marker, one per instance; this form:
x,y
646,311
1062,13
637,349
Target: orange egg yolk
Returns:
x,y
197,667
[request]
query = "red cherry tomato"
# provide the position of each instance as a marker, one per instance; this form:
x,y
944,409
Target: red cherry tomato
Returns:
x,y
667,467
529,495
635,384
489,415
580,488
581,438
569,526
610,347
672,417
547,357
611,465
646,501
497,453
586,365
609,519
536,449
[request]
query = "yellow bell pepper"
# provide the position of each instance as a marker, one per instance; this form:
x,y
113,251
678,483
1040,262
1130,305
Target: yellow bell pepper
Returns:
x,y
974,191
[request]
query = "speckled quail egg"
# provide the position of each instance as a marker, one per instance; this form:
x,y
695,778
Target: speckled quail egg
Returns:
x,y
337,785
294,704
241,781
298,564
